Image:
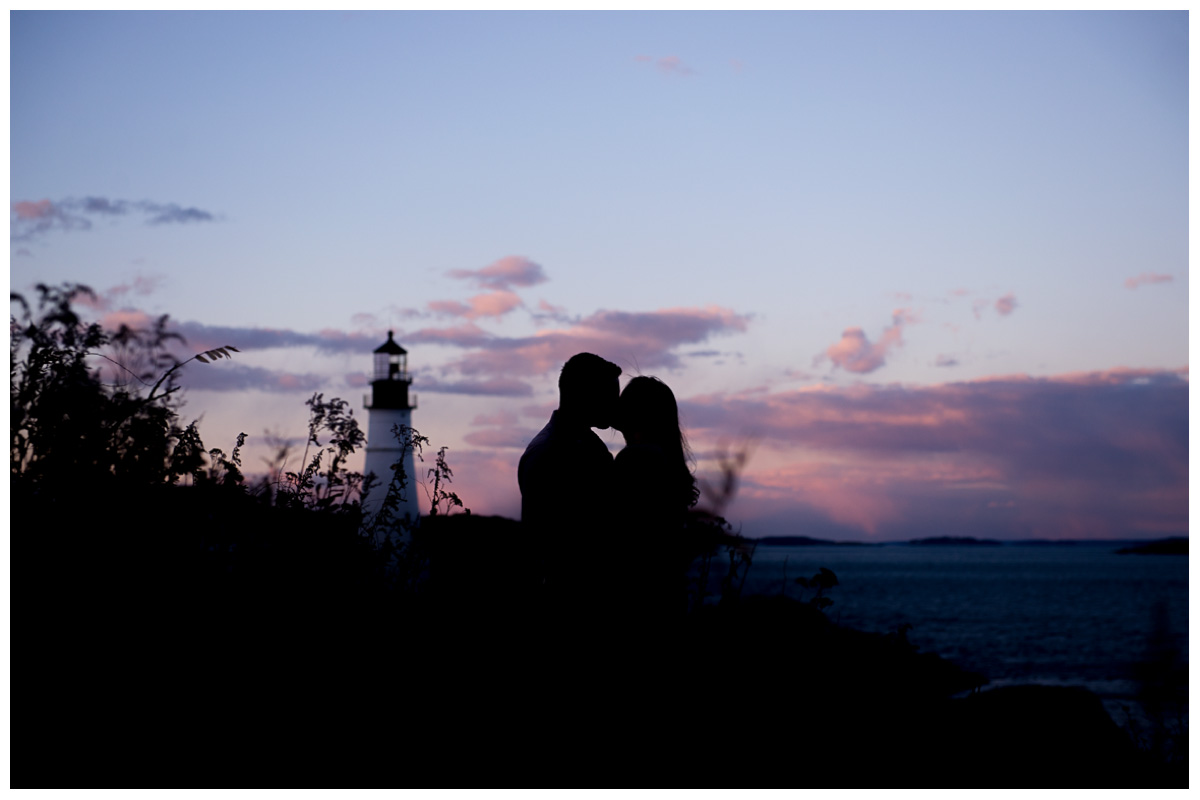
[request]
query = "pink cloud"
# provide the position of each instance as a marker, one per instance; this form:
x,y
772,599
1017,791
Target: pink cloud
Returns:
x,y
855,353
1147,278
27,209
1005,305
492,304
504,274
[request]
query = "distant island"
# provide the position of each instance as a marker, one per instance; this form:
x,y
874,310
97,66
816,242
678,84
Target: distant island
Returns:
x,y
804,541
953,540
808,541
1174,546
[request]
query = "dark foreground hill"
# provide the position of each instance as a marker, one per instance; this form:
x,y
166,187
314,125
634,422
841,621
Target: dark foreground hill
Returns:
x,y
249,645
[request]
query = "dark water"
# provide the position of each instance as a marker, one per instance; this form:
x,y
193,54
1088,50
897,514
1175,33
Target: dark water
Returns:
x,y
1055,614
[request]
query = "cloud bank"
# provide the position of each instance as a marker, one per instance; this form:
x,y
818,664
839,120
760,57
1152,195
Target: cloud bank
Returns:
x,y
1101,455
632,340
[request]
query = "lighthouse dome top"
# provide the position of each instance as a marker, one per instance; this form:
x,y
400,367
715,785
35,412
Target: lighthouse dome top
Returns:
x,y
390,347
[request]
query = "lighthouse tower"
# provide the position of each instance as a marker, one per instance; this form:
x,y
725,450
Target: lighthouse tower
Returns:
x,y
388,406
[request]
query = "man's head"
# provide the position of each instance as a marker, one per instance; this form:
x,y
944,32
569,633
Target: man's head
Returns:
x,y
588,389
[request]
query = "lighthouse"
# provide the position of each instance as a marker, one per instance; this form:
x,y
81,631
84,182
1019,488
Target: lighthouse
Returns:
x,y
388,406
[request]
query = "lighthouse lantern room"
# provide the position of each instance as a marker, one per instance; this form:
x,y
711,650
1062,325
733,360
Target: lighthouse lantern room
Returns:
x,y
387,407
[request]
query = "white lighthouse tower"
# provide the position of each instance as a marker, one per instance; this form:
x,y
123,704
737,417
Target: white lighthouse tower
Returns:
x,y
387,407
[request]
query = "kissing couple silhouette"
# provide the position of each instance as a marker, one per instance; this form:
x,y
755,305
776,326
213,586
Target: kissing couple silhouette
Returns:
x,y
609,531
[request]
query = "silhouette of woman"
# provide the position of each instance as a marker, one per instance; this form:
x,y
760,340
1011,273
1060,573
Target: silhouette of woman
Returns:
x,y
655,489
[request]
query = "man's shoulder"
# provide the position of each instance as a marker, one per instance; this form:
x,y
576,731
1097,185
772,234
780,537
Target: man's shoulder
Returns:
x,y
542,439
538,448
557,446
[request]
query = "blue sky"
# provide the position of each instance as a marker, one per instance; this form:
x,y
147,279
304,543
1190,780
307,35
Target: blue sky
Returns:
x,y
781,204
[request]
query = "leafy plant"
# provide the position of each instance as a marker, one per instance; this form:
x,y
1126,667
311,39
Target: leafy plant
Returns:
x,y
440,474
823,581
67,425
311,486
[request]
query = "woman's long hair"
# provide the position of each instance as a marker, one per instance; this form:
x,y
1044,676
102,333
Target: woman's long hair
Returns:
x,y
648,405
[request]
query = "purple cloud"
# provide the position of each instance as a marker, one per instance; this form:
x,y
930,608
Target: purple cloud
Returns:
x,y
505,273
29,219
234,377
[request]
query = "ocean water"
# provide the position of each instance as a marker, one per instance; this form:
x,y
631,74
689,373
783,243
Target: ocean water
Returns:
x,y
1075,614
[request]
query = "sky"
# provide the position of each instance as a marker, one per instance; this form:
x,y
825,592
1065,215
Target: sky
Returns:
x,y
927,270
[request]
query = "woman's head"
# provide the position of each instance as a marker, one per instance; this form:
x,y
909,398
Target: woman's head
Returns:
x,y
647,409
647,414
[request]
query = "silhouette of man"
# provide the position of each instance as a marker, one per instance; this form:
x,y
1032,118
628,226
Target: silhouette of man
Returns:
x,y
566,479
